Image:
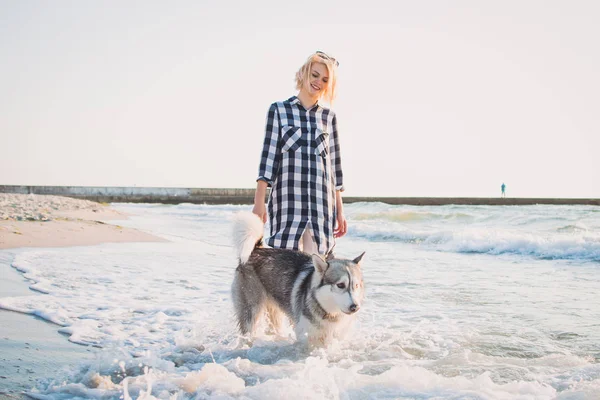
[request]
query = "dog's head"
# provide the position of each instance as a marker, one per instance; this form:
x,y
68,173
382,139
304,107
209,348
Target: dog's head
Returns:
x,y
341,286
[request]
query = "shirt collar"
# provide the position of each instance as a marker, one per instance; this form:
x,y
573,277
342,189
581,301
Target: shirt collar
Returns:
x,y
295,100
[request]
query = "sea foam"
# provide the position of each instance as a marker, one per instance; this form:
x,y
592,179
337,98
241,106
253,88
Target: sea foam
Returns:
x,y
445,316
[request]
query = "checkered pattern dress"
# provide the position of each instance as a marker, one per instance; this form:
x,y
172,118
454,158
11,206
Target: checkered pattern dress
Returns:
x,y
301,163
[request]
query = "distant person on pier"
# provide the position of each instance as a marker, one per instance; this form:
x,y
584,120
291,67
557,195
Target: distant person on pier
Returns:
x,y
301,163
503,187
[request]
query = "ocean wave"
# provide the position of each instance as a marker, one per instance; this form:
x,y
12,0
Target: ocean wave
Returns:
x,y
409,216
584,246
185,211
573,228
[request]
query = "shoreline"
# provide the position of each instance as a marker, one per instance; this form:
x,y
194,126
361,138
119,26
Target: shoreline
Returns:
x,y
67,233
31,348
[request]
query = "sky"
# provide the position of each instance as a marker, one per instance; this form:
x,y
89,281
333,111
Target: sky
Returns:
x,y
435,98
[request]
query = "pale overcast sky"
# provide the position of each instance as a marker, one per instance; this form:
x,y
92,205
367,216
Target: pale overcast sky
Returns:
x,y
436,98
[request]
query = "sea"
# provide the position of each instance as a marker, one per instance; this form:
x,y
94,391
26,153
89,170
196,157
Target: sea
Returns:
x,y
462,302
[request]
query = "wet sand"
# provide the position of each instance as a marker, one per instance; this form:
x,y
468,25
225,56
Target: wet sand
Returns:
x,y
32,348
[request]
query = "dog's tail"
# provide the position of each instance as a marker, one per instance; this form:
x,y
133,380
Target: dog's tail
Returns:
x,y
248,232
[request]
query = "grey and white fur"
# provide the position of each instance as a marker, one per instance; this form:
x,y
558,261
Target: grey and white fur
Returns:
x,y
319,296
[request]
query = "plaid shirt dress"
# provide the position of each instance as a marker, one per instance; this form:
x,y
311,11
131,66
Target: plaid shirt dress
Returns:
x,y
301,163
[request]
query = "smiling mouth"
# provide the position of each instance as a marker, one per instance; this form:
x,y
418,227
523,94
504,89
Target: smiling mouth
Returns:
x,y
315,87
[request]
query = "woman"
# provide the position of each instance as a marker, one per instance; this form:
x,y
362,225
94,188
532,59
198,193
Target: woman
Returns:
x,y
301,163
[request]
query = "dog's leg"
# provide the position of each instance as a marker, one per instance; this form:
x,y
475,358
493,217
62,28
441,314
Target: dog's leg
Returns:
x,y
248,299
302,328
276,318
316,342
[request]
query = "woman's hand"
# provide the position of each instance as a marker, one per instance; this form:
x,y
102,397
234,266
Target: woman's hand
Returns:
x,y
341,227
260,210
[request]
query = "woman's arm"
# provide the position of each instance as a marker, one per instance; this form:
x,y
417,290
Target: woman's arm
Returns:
x,y
271,151
336,157
259,200
269,162
341,226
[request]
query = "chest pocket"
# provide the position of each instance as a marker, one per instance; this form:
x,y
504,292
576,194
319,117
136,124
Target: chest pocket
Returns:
x,y
322,143
291,138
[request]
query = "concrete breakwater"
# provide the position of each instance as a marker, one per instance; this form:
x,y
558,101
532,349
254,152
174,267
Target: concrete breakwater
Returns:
x,y
104,194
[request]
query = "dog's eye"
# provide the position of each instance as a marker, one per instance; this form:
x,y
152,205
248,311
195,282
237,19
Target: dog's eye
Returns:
x,y
341,285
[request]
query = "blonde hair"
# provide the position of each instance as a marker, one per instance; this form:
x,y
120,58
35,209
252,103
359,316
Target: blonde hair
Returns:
x,y
303,75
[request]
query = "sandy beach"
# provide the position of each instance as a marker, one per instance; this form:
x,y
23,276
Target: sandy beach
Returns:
x,y
55,221
31,347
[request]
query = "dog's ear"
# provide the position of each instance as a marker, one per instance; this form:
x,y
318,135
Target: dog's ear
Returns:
x,y
357,259
320,264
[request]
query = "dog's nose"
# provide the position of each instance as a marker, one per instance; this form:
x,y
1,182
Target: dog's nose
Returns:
x,y
354,308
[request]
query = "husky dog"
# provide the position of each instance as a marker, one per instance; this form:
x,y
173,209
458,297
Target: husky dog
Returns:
x,y
320,297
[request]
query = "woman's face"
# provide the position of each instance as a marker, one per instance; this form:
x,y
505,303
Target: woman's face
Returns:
x,y
317,81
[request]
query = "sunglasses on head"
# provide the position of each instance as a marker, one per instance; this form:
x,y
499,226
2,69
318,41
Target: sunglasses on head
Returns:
x,y
324,56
